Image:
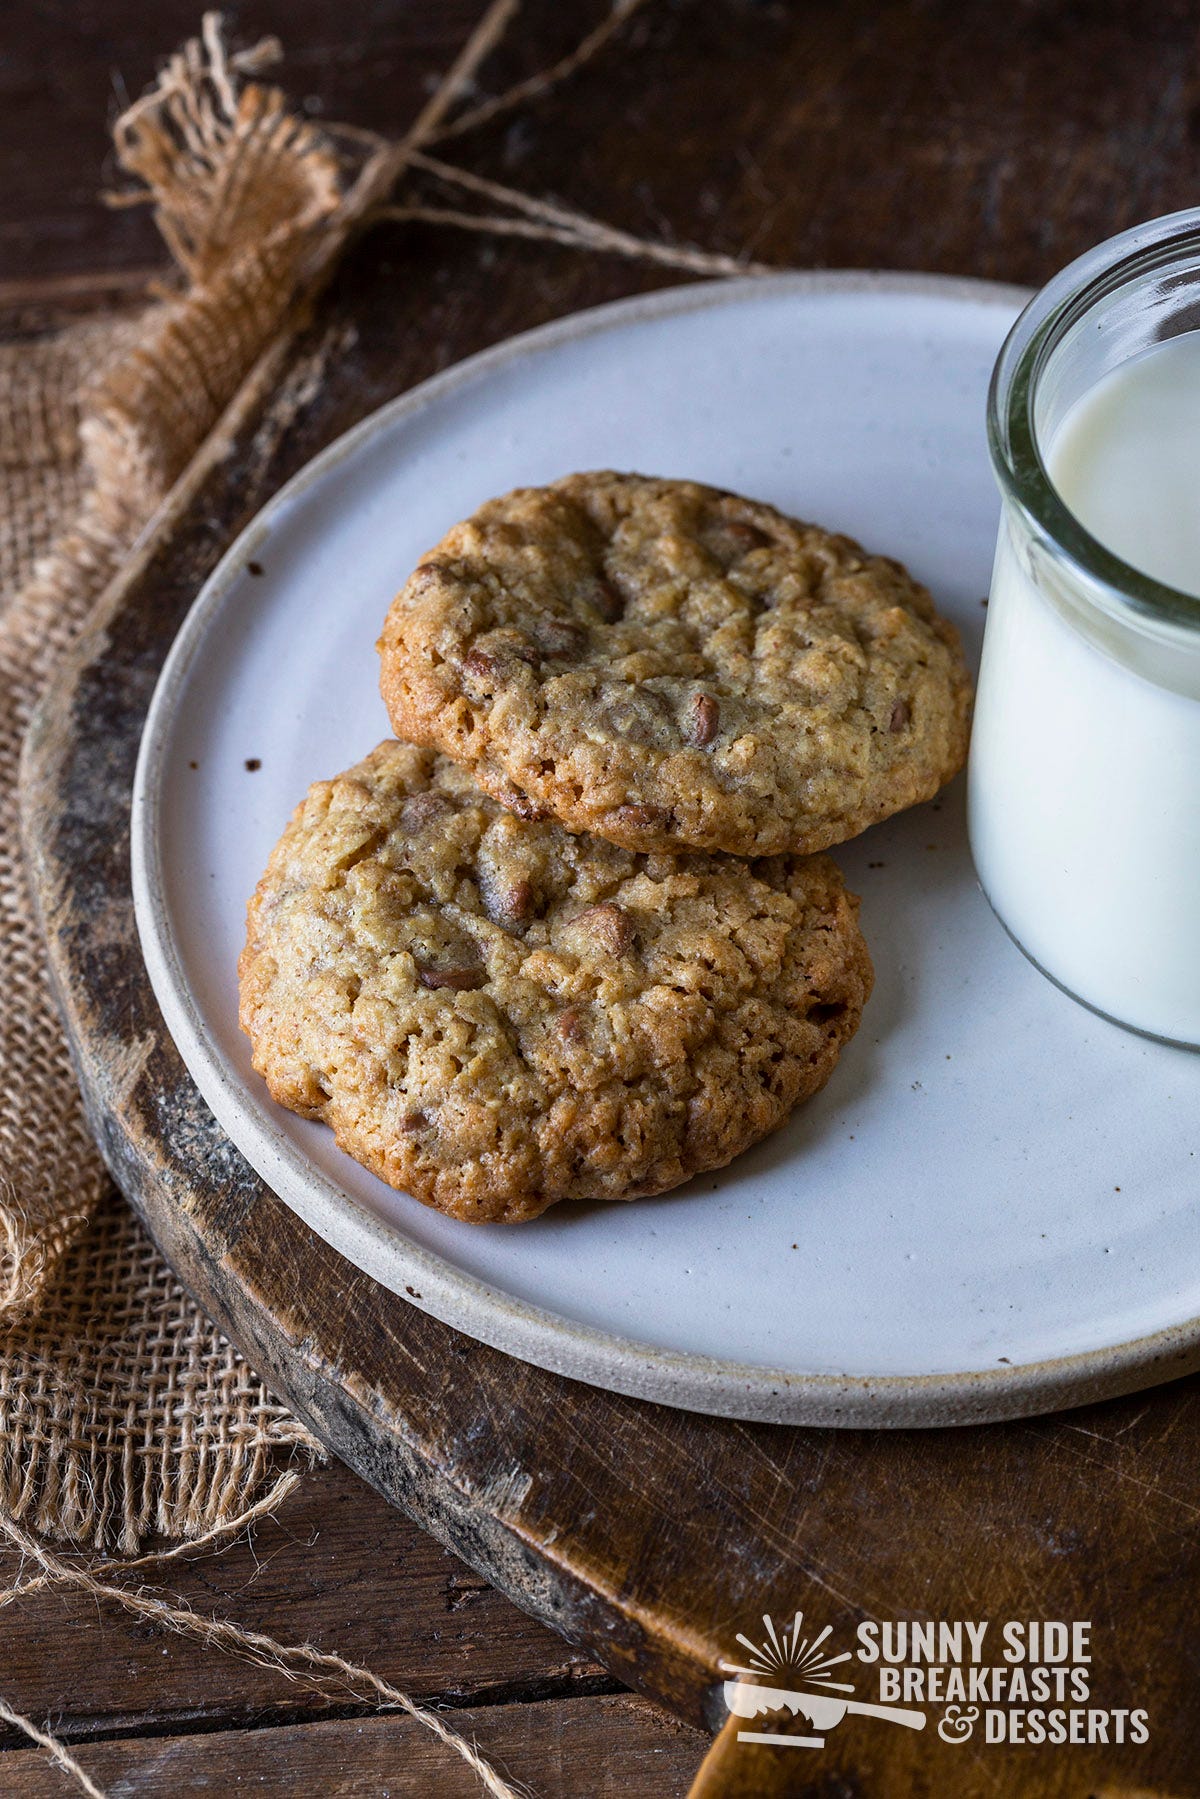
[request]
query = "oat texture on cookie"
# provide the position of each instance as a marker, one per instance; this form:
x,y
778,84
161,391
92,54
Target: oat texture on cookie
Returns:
x,y
494,1013
669,666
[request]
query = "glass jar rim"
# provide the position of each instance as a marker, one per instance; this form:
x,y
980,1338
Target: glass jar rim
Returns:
x,y
1012,438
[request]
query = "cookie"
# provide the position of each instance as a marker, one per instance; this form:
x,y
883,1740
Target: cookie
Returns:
x,y
670,666
493,1013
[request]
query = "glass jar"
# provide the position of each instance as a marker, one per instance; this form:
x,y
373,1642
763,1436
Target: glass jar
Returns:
x,y
1084,784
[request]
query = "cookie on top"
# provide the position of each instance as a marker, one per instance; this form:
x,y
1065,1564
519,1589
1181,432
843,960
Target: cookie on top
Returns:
x,y
670,667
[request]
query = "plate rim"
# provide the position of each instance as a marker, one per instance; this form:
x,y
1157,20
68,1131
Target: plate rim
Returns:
x,y
564,1346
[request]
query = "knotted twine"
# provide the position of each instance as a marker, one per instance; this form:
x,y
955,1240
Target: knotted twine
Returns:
x,y
123,1410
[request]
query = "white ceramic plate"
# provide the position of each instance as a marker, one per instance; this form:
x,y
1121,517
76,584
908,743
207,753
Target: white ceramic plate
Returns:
x,y
990,1210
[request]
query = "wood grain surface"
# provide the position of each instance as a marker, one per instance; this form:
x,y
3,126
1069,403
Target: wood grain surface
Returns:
x,y
342,1568
979,140
605,1748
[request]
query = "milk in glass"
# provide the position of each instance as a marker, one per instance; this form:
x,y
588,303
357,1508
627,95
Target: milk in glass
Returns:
x,y
1085,760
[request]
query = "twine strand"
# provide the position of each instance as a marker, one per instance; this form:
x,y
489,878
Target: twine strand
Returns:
x,y
57,1751
562,224
458,78
322,1670
384,168
691,261
536,87
487,224
226,1528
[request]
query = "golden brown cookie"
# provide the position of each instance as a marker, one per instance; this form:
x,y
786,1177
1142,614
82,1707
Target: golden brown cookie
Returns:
x,y
669,667
494,1014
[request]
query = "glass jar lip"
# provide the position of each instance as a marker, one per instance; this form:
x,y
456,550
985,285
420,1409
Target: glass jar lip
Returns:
x,y
1012,439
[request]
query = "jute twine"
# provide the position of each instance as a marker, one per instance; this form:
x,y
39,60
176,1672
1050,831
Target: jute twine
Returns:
x,y
124,1413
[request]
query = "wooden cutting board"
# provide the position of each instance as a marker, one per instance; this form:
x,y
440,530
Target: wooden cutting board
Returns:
x,y
649,1535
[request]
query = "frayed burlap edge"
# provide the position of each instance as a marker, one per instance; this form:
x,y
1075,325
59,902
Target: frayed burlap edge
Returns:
x,y
241,192
123,1411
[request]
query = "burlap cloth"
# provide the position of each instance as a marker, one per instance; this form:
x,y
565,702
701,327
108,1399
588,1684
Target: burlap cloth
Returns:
x,y
123,1411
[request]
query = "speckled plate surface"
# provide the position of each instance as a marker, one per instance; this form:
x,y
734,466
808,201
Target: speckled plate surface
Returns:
x,y
991,1209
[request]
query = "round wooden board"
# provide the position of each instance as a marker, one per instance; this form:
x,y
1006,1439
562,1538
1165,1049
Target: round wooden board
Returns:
x,y
650,1535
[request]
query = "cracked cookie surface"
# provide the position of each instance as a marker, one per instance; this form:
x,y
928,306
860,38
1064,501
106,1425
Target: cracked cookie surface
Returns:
x,y
667,665
494,1014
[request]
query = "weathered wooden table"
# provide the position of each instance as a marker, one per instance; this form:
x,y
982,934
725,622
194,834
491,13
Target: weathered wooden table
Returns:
x,y
971,140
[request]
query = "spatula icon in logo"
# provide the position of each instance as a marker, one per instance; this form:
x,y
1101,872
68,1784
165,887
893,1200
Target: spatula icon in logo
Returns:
x,y
789,1673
